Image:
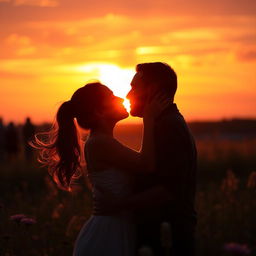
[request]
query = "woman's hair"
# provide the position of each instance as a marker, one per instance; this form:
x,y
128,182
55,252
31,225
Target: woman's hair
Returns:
x,y
59,148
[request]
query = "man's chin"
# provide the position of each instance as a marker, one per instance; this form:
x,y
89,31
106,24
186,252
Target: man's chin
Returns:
x,y
135,113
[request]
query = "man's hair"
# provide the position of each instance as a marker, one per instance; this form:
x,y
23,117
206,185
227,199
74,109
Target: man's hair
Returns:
x,y
161,74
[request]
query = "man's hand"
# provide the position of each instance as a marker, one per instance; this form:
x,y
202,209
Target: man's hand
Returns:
x,y
106,203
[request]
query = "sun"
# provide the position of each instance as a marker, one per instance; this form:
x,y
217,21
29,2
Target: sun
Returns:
x,y
118,80
127,104
114,77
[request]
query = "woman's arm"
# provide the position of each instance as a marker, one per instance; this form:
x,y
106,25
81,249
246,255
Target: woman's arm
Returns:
x,y
111,152
108,150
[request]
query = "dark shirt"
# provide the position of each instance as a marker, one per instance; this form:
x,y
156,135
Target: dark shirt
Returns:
x,y
176,163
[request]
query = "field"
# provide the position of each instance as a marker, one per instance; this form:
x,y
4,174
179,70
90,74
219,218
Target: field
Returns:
x,y
225,201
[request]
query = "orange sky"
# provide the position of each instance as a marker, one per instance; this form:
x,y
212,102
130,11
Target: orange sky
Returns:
x,y
49,48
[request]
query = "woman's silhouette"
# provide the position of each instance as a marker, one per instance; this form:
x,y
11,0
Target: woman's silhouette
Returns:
x,y
109,163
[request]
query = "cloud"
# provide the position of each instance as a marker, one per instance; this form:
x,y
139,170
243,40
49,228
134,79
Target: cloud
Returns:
x,y
18,45
18,39
247,55
81,9
174,7
41,3
124,40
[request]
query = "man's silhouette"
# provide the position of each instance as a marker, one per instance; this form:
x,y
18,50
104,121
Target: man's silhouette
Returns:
x,y
167,195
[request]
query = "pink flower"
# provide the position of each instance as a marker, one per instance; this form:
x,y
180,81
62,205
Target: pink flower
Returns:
x,y
252,180
230,183
57,211
237,249
28,221
17,217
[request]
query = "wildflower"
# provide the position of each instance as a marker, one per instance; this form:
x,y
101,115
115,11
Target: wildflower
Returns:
x,y
230,183
57,211
166,234
17,217
237,249
252,180
28,221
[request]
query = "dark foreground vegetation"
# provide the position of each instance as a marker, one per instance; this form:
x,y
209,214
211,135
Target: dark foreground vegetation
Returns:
x,y
36,218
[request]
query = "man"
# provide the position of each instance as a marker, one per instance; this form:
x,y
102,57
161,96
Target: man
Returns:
x,y
168,194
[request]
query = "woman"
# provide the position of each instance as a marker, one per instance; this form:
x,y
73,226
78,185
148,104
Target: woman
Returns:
x,y
109,163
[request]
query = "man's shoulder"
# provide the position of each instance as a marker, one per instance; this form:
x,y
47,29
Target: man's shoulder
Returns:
x,y
171,120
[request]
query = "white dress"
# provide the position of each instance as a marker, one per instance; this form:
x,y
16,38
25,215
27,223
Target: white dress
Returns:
x,y
108,235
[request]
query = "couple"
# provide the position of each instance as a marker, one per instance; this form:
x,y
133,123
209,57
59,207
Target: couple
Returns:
x,y
134,192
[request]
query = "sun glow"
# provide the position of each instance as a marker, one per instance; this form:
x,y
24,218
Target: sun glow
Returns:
x,y
127,104
116,78
46,58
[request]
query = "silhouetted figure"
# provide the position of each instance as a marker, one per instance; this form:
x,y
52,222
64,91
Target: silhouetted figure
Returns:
x,y
2,137
109,162
168,194
11,141
28,132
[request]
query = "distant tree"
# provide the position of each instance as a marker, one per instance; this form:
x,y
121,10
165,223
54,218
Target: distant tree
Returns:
x,y
2,139
28,132
11,141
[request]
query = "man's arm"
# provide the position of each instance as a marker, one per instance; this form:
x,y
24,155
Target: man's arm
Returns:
x,y
172,163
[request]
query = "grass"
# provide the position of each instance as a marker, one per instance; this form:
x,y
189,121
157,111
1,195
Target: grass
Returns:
x,y
226,205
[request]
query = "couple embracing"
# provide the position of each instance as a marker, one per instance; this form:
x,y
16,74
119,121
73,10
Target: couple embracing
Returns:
x,y
133,192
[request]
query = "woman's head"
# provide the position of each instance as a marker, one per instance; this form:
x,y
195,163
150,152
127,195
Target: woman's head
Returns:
x,y
93,106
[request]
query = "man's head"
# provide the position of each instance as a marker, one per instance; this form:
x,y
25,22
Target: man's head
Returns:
x,y
151,78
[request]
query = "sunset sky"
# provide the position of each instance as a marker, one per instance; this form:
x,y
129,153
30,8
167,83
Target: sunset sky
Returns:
x,y
50,48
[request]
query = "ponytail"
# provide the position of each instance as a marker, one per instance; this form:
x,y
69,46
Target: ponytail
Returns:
x,y
60,149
